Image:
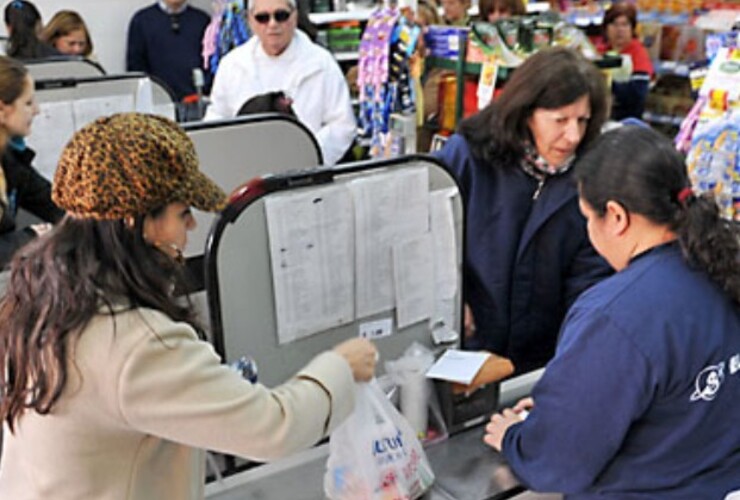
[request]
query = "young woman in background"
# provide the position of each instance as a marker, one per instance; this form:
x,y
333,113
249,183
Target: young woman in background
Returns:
x,y
68,34
21,186
620,35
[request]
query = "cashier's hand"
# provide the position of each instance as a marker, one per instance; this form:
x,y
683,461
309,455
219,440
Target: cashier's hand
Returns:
x,y
361,355
500,422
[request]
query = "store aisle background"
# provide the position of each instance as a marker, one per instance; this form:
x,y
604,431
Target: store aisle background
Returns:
x,y
107,21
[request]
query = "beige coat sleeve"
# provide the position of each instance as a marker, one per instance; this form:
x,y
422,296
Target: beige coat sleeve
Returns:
x,y
173,385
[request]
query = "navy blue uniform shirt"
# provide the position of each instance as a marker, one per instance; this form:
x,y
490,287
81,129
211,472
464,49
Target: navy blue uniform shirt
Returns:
x,y
642,399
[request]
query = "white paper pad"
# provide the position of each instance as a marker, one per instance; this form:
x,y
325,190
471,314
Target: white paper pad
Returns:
x,y
458,366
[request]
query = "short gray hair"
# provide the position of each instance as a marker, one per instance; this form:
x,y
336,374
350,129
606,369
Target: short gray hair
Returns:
x,y
291,3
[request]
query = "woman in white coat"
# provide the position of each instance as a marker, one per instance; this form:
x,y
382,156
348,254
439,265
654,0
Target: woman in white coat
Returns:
x,y
280,58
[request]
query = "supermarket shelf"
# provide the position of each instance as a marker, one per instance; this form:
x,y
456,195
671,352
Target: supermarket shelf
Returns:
x,y
334,17
451,64
474,68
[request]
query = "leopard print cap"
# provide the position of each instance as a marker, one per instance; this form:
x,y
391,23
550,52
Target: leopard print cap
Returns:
x,y
129,164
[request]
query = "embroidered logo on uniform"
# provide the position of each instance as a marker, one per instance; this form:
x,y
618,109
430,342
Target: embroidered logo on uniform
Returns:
x,y
708,382
734,364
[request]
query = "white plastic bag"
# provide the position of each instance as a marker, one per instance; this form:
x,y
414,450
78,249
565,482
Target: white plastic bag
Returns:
x,y
374,454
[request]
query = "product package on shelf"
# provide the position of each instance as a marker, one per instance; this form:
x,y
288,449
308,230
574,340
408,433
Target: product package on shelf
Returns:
x,y
712,133
714,162
383,78
445,42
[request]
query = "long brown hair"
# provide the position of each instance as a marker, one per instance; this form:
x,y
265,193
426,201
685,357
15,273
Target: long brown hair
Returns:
x,y
12,84
58,283
550,79
62,24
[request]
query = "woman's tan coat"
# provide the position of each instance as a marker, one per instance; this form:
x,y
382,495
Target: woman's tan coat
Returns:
x,y
143,396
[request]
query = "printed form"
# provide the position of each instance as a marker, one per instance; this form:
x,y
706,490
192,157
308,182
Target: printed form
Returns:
x,y
413,273
389,208
444,244
311,253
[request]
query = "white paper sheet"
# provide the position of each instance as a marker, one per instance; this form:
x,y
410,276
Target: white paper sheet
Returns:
x,y
51,129
144,96
458,366
388,206
311,250
442,225
413,277
446,272
87,110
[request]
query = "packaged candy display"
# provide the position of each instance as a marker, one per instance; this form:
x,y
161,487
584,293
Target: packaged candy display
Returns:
x,y
383,77
714,162
712,133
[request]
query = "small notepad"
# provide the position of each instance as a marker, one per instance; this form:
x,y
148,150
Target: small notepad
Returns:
x,y
458,366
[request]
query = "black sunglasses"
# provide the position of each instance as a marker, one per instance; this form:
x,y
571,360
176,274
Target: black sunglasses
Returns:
x,y
280,16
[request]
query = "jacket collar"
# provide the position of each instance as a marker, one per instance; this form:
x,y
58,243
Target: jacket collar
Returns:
x,y
299,49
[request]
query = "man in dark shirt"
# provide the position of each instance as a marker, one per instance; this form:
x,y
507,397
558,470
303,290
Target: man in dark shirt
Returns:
x,y
165,40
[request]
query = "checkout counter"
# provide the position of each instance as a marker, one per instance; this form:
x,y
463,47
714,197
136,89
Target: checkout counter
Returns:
x,y
465,467
245,277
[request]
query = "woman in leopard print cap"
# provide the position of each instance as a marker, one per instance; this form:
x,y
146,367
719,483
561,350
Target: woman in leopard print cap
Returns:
x,y
101,365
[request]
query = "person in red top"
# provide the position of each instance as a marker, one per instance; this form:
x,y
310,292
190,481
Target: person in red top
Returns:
x,y
620,24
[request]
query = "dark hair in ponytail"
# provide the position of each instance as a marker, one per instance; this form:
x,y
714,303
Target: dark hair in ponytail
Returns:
x,y
23,20
640,169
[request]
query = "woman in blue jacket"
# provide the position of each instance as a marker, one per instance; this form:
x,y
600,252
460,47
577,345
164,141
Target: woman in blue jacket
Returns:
x,y
642,397
527,253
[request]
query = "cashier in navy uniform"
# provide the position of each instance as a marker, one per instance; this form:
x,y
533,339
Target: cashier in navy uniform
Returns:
x,y
642,399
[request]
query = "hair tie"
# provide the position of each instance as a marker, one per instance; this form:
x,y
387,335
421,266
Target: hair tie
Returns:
x,y
685,196
17,4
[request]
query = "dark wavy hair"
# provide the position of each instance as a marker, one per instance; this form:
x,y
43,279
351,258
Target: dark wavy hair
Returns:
x,y
550,79
642,171
58,283
23,20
